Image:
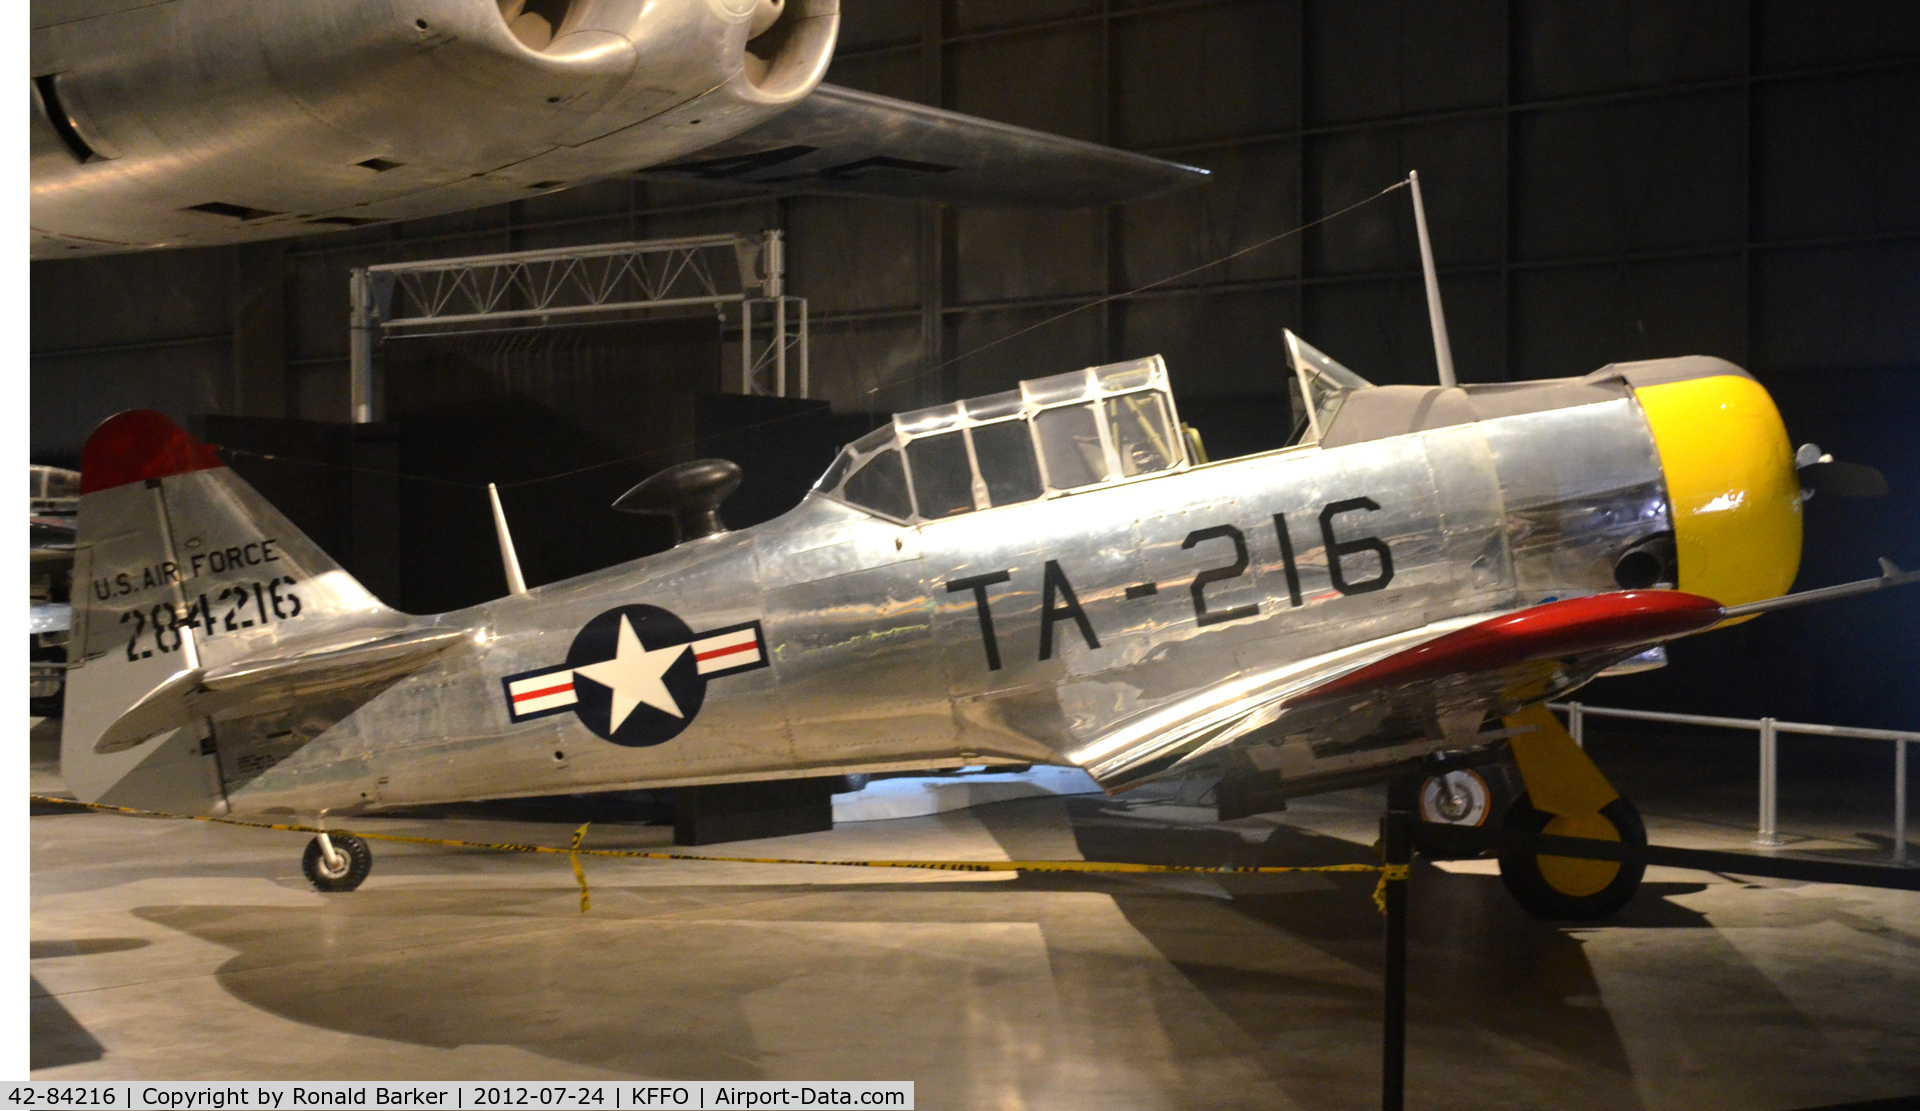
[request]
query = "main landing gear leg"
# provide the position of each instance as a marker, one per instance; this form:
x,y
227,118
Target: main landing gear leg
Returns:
x,y
336,861
1566,796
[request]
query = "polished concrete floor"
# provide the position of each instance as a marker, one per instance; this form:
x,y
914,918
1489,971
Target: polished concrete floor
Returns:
x,y
175,950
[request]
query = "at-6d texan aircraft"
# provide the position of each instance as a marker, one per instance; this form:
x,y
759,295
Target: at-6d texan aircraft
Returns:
x,y
1044,575
164,123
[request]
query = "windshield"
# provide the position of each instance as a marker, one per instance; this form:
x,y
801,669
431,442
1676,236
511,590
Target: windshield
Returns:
x,y
1318,387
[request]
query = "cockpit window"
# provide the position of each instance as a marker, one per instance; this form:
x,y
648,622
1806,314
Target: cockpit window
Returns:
x,y
942,478
881,485
1070,443
1141,435
874,440
1005,454
1051,436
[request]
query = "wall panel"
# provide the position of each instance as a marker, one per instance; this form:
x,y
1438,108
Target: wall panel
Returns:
x,y
1831,308
1215,344
1056,346
1199,73
1568,47
872,365
1010,254
1576,319
1253,195
1793,34
1372,59
1837,155
853,255
1633,176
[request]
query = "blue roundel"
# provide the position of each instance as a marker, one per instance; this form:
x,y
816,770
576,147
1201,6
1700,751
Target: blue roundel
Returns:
x,y
635,676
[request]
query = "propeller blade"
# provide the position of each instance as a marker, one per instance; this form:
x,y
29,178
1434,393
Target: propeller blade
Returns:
x,y
1844,480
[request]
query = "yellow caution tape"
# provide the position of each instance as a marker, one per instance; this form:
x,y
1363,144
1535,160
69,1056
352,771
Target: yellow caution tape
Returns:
x,y
575,851
579,873
1390,873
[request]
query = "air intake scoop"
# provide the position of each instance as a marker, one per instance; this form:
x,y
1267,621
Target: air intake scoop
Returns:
x,y
690,493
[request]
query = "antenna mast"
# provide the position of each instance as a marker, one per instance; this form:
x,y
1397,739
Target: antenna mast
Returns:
x,y
1437,316
509,560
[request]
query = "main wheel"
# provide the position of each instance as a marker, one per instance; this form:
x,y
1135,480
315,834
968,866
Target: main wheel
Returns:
x,y
355,861
1569,887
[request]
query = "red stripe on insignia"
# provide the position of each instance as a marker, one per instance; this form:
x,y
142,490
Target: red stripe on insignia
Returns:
x,y
562,688
749,646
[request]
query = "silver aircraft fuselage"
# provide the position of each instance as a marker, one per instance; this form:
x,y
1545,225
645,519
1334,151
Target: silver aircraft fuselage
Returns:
x,y
1017,634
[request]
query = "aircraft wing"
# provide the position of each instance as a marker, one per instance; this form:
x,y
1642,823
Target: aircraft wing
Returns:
x,y
1439,679
842,141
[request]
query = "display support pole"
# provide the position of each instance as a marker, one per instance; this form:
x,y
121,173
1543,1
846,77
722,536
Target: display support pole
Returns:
x,y
746,346
801,304
360,348
1396,841
1900,802
780,347
1768,835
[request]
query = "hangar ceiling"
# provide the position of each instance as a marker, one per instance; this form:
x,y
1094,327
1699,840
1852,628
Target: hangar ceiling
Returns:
x,y
1606,181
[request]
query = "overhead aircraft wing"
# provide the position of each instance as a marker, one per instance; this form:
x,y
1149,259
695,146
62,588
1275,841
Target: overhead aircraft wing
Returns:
x,y
1439,680
842,141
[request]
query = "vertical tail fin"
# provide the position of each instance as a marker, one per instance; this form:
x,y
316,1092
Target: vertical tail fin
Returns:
x,y
180,569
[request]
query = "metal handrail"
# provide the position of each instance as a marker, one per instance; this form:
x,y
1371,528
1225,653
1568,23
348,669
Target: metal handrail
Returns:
x,y
1768,834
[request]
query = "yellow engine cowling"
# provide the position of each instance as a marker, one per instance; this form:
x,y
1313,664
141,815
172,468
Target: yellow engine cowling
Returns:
x,y
1731,481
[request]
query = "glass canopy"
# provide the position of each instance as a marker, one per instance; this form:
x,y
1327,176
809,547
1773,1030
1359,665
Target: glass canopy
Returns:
x,y
1049,437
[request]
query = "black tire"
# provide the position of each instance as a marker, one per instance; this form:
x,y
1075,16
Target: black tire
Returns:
x,y
1568,888
359,860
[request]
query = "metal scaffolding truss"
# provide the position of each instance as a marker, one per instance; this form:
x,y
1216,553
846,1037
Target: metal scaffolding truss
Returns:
x,y
531,289
765,363
571,281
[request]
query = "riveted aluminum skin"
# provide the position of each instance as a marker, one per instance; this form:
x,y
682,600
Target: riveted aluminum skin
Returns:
x,y
1116,626
877,665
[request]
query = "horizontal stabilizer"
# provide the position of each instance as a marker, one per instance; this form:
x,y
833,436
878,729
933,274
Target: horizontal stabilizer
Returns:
x,y
842,141
271,681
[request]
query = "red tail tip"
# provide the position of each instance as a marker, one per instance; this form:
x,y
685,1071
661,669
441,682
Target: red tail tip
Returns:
x,y
137,445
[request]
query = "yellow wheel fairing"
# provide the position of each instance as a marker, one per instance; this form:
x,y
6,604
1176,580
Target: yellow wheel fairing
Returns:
x,y
1730,478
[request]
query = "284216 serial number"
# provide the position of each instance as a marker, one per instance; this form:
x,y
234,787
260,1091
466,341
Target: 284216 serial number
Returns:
x,y
162,627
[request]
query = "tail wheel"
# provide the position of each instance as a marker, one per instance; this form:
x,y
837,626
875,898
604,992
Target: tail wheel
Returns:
x,y
1458,798
1471,797
1568,887
352,860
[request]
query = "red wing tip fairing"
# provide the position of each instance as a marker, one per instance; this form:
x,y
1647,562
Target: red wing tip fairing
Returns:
x,y
1570,627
